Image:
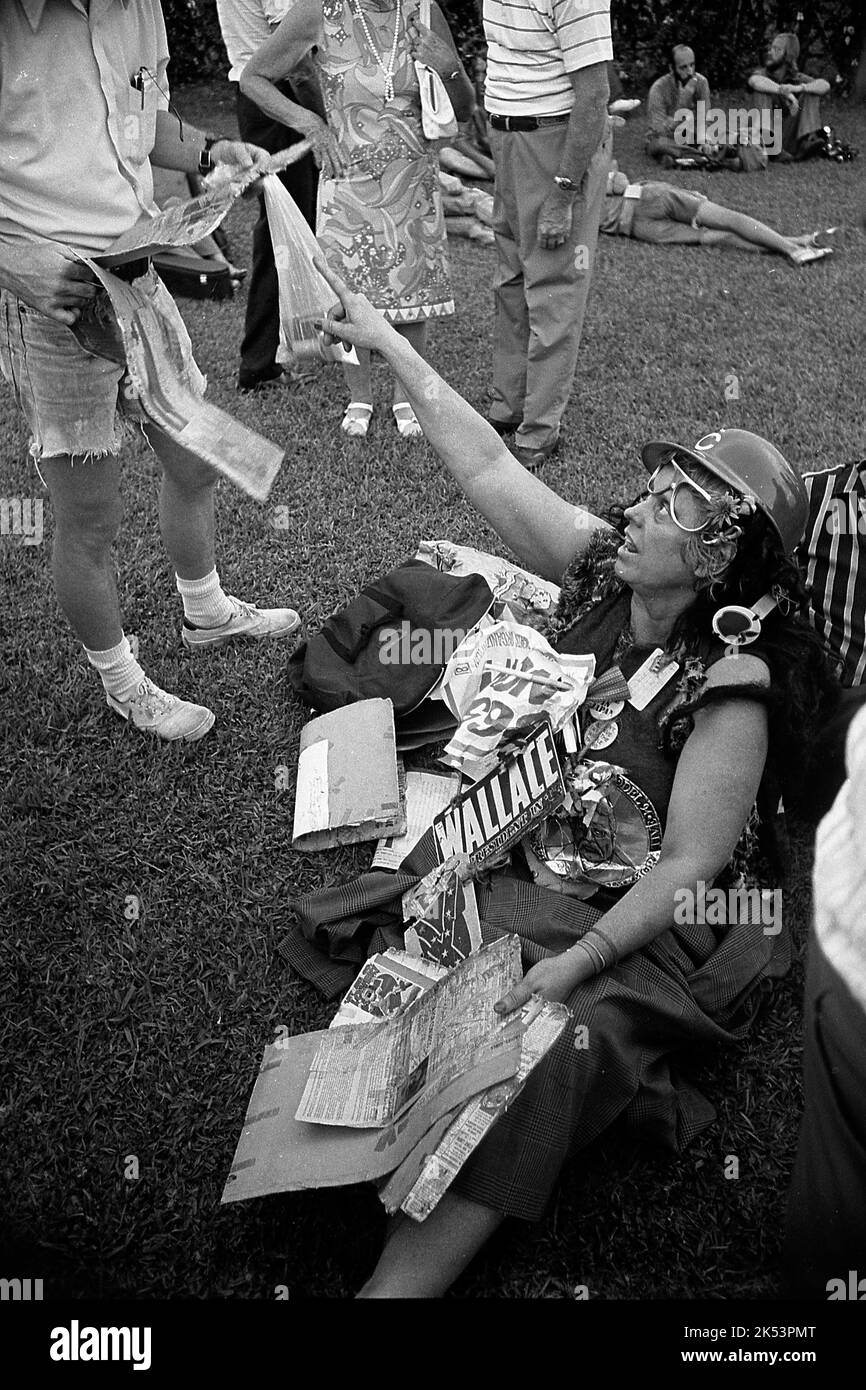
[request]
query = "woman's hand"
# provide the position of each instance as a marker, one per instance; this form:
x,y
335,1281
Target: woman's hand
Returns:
x,y
427,48
353,320
553,979
326,152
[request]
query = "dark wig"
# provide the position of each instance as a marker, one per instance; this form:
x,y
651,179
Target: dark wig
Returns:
x,y
804,690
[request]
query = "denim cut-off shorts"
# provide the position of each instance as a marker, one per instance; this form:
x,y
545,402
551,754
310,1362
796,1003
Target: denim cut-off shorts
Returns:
x,y
78,400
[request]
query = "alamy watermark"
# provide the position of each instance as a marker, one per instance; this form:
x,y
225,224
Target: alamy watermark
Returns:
x,y
408,646
22,516
723,907
738,125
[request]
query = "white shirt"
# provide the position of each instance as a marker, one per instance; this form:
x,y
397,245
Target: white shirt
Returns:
x,y
840,871
77,136
245,25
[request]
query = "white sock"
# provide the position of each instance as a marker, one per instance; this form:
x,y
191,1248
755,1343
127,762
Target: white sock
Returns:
x,y
204,603
120,672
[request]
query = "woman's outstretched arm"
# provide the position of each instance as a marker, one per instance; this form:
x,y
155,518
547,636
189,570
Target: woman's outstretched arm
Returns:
x,y
544,530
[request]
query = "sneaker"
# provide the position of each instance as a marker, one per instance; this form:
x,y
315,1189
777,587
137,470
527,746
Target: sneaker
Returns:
x,y
167,716
246,621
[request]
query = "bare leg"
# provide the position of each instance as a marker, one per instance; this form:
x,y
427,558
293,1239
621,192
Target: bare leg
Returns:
x,y
729,241
749,229
186,507
422,1260
358,379
85,500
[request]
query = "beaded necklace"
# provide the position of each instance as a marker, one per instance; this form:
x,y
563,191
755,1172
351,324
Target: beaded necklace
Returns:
x,y
388,71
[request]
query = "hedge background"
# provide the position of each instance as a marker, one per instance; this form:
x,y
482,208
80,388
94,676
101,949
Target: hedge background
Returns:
x,y
729,37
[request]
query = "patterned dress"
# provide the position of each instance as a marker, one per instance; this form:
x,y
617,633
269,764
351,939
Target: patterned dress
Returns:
x,y
381,225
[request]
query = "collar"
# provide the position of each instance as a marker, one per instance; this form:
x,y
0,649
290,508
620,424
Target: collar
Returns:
x,y
33,10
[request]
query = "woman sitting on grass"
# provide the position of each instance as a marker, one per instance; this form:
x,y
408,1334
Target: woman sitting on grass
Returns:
x,y
716,527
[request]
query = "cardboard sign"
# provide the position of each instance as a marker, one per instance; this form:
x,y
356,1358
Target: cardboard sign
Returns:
x,y
501,808
348,788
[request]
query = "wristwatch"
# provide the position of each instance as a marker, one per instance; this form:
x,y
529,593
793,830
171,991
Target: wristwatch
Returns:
x,y
567,185
206,164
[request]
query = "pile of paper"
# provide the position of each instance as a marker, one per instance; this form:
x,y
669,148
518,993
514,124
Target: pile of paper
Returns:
x,y
354,1103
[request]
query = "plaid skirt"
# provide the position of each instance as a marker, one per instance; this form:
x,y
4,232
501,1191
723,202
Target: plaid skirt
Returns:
x,y
614,1060
692,985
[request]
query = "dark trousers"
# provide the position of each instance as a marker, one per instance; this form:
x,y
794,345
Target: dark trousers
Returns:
x,y
262,323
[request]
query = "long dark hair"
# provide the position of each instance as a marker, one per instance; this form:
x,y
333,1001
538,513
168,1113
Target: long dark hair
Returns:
x,y
804,690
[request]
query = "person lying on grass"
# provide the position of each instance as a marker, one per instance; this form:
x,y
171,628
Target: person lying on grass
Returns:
x,y
669,216
715,526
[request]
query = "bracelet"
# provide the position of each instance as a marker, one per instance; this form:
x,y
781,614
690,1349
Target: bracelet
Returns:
x,y
452,76
614,953
589,948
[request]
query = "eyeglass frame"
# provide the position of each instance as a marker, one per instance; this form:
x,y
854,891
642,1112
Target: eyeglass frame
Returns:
x,y
690,482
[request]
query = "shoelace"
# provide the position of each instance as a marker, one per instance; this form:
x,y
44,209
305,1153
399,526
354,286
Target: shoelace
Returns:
x,y
152,700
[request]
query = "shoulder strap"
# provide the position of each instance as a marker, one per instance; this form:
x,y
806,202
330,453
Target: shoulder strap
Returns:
x,y
424,13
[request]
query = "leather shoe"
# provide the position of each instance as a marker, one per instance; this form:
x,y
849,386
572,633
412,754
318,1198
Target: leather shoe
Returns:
x,y
534,459
504,426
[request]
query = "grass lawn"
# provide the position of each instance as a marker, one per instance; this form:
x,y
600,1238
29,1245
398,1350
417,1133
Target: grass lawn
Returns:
x,y
142,1037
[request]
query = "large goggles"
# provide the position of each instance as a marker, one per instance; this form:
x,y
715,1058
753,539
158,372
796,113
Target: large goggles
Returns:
x,y
671,477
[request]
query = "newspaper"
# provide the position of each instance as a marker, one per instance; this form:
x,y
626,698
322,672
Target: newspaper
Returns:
x,y
277,1153
386,984
426,794
519,597
187,222
417,1192
366,1075
168,386
505,677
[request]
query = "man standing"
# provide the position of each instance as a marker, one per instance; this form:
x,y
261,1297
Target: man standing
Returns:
x,y
83,111
781,87
671,102
245,25
546,94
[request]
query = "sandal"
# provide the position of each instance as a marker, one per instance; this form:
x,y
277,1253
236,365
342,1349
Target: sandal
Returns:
x,y
356,419
803,255
406,420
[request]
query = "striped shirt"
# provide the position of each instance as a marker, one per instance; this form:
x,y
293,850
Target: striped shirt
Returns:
x,y
835,570
533,45
840,871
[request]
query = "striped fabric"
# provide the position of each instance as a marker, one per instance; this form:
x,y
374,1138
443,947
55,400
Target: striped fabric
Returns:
x,y
840,871
533,45
835,562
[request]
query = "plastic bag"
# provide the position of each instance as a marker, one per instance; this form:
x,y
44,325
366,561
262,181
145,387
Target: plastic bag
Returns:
x,y
304,295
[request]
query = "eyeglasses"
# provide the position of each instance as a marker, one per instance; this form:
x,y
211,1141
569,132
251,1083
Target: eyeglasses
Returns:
x,y
670,477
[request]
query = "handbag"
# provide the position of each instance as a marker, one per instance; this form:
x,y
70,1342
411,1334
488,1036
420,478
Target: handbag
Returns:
x,y
438,121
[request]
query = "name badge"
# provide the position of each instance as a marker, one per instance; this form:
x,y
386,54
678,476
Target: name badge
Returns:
x,y
650,678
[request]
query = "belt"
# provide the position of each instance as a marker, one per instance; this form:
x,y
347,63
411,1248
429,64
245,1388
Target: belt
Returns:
x,y
131,270
527,122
